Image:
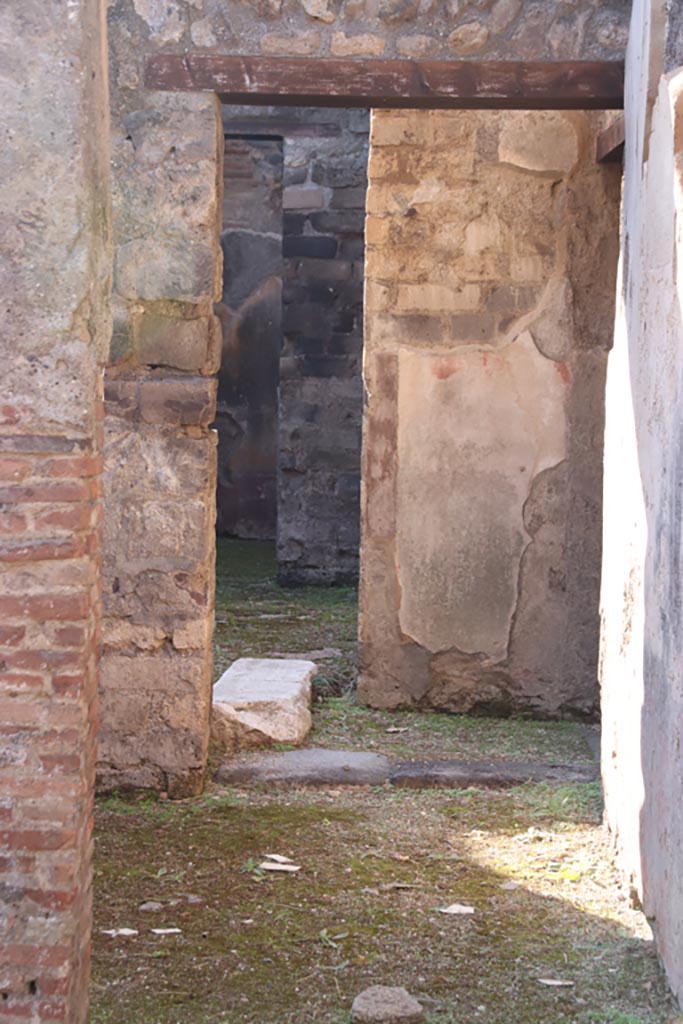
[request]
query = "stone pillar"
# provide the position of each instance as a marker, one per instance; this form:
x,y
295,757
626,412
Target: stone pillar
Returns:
x,y
642,601
54,330
491,254
160,455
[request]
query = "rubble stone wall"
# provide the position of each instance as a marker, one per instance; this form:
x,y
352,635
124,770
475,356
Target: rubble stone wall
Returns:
x,y
55,279
433,29
641,601
159,457
490,265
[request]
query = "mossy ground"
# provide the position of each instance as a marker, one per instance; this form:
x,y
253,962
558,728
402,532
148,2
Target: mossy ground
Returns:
x,y
376,864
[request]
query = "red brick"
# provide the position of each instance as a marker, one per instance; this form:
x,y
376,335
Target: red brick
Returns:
x,y
67,491
73,517
44,661
47,607
12,523
76,467
10,636
37,839
69,763
68,636
43,550
21,955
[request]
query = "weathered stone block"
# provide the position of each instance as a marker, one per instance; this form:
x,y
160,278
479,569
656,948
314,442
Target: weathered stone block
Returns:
x,y
181,344
178,401
259,701
179,270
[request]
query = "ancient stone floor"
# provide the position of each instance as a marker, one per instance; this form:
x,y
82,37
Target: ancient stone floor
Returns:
x,y
539,930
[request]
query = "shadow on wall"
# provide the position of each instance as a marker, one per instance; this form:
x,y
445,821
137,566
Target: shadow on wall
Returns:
x,y
642,643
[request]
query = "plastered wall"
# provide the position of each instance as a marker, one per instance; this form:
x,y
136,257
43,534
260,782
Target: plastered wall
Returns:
x,y
642,602
491,256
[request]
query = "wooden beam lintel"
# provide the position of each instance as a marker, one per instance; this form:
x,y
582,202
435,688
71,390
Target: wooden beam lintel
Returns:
x,y
308,81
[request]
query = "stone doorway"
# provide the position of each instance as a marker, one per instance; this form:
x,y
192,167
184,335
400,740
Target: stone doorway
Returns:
x,y
289,396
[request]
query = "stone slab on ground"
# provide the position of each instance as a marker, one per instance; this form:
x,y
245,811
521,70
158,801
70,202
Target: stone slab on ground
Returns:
x,y
320,767
384,1004
458,774
313,767
260,701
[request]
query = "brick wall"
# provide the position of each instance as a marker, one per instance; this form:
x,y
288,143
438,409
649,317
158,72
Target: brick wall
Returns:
x,y
55,280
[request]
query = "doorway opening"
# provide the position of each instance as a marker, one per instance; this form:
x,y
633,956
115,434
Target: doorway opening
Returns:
x,y
289,405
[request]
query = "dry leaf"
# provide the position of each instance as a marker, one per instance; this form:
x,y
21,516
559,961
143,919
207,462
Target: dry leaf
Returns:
x,y
269,865
278,858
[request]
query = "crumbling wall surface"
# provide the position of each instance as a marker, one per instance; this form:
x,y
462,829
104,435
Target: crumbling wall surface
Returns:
x,y
641,601
55,278
251,317
501,29
159,459
491,255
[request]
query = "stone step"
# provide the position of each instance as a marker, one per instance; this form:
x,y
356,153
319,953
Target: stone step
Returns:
x,y
320,767
260,701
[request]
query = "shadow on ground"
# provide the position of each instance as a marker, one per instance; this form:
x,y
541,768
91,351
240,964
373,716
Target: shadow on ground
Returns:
x,y
254,948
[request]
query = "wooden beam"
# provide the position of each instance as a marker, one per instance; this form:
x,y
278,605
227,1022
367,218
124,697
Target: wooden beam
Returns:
x,y
307,81
610,145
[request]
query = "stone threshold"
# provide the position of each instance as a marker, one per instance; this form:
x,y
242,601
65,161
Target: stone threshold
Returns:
x,y
322,767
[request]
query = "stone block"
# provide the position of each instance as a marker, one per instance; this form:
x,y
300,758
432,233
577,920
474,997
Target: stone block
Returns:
x,y
304,197
541,140
178,401
177,270
362,45
320,247
165,341
259,701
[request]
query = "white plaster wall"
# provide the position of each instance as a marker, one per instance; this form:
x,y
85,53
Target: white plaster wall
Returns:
x,y
642,586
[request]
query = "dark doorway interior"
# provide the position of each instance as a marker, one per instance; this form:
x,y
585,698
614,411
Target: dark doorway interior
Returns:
x,y
290,393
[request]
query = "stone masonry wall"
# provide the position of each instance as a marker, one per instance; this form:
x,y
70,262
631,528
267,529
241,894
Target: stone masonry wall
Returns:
x,y
641,600
55,278
320,369
160,458
491,256
436,29
318,340
251,317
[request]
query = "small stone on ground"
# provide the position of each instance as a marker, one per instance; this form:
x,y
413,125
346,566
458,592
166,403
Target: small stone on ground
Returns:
x,y
383,1004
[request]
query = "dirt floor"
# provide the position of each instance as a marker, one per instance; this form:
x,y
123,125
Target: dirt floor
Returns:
x,y
547,936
